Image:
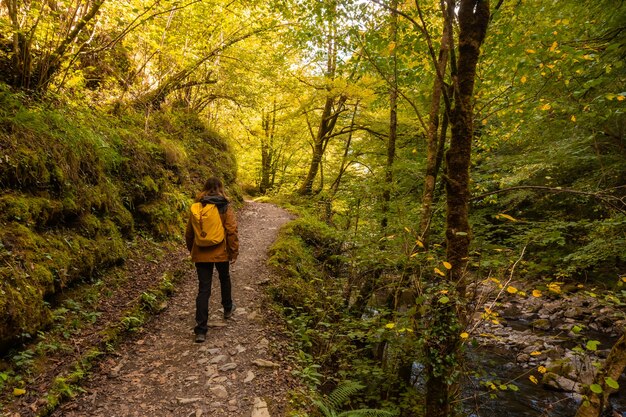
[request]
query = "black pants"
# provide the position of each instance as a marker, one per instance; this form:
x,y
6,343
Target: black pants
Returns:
x,y
205,278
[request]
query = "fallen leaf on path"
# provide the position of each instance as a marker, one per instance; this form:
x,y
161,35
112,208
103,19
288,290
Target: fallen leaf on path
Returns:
x,y
188,400
265,363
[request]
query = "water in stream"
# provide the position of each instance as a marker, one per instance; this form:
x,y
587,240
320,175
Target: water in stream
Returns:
x,y
532,400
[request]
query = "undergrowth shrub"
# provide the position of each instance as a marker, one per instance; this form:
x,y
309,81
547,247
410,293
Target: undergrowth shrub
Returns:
x,y
334,345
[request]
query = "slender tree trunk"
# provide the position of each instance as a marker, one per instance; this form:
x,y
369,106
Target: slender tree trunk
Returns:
x,y
344,160
432,148
332,109
393,116
442,349
268,123
326,127
613,367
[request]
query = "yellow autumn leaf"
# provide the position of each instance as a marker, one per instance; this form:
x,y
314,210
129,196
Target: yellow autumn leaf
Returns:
x,y
537,293
533,379
392,46
390,325
542,369
448,265
18,391
413,255
511,290
414,151
464,335
419,243
438,271
555,288
554,45
620,98
623,279
545,107
406,229
495,321
535,353
523,79
530,51
443,292
580,286
506,216
573,118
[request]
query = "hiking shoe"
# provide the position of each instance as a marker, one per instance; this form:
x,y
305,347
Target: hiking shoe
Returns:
x,y
228,313
200,337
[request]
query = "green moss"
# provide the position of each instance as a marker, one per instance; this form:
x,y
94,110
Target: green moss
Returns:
x,y
74,183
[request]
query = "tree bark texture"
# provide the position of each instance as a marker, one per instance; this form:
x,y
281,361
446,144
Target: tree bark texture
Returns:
x,y
473,19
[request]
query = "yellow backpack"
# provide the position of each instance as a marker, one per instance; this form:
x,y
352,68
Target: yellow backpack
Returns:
x,y
207,225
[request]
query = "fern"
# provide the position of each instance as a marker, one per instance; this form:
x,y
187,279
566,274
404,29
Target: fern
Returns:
x,y
368,412
340,396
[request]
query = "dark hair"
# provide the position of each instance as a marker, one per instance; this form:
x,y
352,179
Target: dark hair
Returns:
x,y
212,186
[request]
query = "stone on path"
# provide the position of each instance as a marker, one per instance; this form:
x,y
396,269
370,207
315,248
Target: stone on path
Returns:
x,y
249,377
219,391
219,359
259,409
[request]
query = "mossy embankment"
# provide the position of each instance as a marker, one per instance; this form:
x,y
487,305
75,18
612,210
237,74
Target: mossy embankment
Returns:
x,y
77,183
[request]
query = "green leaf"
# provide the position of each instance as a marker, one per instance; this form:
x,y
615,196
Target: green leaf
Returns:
x,y
592,345
610,382
444,300
595,388
576,329
513,387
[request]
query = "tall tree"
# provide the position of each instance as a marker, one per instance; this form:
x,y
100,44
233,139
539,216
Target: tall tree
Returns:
x,y
442,349
393,113
434,141
333,104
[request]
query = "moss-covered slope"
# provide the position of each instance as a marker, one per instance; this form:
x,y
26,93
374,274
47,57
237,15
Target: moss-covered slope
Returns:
x,y
76,183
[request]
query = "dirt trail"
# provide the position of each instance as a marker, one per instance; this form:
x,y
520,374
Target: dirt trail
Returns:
x,y
162,372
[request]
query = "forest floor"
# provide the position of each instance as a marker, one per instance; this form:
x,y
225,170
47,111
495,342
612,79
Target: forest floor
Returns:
x,y
241,370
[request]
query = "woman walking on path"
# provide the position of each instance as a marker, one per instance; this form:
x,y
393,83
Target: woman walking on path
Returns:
x,y
220,255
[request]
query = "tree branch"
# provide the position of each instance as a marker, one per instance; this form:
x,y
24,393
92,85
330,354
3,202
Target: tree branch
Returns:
x,y
612,201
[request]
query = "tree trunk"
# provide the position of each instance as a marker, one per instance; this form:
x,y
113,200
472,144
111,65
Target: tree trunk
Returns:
x,y
613,367
442,349
432,148
325,129
344,160
393,116
331,111
268,122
